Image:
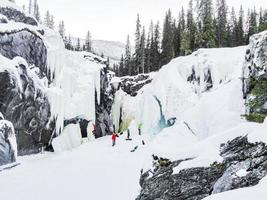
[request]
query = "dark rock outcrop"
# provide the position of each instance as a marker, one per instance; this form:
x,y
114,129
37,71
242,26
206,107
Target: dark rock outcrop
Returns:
x,y
83,123
26,106
27,45
131,85
104,125
8,151
17,16
244,165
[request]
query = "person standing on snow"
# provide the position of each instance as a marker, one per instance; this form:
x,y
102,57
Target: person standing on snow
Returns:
x,y
139,128
94,130
114,137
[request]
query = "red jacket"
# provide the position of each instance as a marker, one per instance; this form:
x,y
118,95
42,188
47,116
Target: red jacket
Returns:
x,y
94,127
113,136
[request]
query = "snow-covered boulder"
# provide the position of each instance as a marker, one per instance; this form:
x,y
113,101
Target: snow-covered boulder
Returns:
x,y
3,19
13,12
8,144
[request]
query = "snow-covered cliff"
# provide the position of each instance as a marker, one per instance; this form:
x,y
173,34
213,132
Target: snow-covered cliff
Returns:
x,y
43,84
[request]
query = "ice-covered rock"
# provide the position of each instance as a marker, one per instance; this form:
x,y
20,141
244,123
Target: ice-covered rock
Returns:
x,y
255,78
8,144
26,44
200,182
132,84
23,102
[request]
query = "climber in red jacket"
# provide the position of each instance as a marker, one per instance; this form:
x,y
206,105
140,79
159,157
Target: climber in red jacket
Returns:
x,y
113,137
94,130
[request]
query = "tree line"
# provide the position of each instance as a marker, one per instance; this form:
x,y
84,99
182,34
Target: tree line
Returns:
x,y
204,24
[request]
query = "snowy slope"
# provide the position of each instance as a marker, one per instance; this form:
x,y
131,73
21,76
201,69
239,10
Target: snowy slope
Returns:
x,y
111,49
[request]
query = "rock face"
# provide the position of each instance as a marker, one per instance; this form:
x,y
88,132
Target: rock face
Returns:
x,y
244,165
26,106
255,78
8,146
17,16
27,45
131,85
104,125
22,98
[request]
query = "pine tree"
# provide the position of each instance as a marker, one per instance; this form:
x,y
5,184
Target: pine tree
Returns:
x,y
138,53
78,45
121,70
30,6
234,30
69,45
128,57
240,28
88,42
263,20
167,39
221,23
52,22
47,19
148,49
61,29
155,49
207,23
252,24
142,51
36,11
191,26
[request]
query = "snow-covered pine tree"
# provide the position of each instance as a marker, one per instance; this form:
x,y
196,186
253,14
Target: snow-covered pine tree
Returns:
x,y
47,19
61,29
30,7
36,11
52,22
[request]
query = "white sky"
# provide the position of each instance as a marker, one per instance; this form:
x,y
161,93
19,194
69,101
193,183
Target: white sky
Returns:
x,y
114,19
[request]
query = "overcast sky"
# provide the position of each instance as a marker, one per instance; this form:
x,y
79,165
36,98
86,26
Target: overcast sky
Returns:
x,y
114,19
